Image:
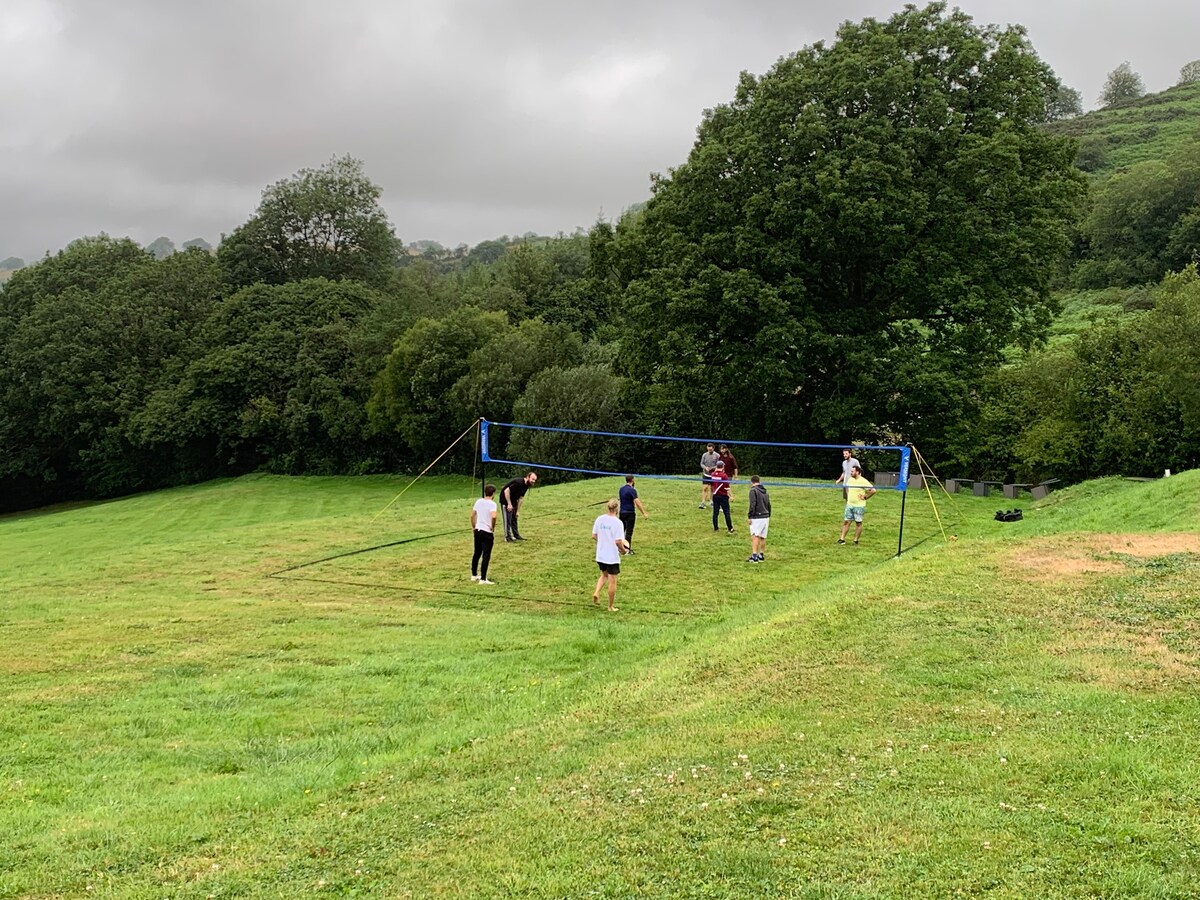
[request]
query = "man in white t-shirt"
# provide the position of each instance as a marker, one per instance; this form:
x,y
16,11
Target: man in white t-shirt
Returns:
x,y
609,534
483,523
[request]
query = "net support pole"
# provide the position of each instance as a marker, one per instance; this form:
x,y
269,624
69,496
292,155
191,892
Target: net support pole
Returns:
x,y
905,456
482,463
483,455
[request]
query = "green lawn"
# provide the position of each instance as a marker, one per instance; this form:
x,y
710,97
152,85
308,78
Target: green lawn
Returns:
x,y
1013,713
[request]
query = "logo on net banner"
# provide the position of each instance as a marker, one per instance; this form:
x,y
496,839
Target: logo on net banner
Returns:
x,y
483,441
904,455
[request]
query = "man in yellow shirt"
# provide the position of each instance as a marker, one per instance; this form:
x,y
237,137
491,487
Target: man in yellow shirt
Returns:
x,y
858,492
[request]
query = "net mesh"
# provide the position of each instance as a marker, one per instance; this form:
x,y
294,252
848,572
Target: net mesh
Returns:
x,y
561,454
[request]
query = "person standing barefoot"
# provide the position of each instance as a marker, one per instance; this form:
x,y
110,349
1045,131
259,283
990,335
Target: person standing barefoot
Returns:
x,y
609,535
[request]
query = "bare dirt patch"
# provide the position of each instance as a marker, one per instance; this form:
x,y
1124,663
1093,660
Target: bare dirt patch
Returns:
x,y
1077,556
1123,640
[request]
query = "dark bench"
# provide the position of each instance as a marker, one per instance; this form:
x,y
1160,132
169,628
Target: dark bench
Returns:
x,y
1011,490
983,488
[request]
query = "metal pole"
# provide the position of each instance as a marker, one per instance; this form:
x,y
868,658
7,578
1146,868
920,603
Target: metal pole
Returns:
x,y
900,545
482,461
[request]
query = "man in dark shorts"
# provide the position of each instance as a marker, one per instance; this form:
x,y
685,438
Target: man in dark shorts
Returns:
x,y
609,535
511,498
629,506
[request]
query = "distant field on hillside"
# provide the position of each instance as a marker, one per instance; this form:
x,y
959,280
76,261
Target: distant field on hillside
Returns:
x,y
1151,127
1083,310
259,688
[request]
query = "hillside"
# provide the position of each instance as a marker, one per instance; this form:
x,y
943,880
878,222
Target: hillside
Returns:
x,y
1010,714
1151,127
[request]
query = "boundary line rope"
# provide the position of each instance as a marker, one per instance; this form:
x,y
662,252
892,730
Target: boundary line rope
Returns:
x,y
427,468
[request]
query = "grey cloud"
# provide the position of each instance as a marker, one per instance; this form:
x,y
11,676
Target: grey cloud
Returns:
x,y
156,117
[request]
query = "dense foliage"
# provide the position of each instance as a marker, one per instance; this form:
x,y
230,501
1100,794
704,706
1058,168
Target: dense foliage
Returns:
x,y
854,238
1122,398
1144,222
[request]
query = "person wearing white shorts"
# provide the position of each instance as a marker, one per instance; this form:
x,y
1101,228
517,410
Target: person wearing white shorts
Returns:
x,y
759,516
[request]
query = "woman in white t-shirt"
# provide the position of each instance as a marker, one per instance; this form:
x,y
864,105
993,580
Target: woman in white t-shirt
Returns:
x,y
609,534
483,523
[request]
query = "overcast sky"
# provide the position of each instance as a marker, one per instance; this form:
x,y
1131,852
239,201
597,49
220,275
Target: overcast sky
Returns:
x,y
477,118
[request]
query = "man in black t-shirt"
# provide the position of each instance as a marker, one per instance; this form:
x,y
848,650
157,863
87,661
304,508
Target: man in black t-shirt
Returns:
x,y
629,505
511,498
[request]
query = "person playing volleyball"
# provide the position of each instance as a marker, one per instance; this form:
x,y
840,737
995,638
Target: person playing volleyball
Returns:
x,y
609,535
859,491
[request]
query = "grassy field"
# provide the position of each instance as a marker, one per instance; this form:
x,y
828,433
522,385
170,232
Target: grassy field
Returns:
x,y
1010,714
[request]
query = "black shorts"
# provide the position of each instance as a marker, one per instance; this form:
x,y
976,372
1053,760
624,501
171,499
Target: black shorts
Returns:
x,y
706,479
610,568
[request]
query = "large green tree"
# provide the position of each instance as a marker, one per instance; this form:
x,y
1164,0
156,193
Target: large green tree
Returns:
x,y
444,373
854,237
274,384
86,337
320,223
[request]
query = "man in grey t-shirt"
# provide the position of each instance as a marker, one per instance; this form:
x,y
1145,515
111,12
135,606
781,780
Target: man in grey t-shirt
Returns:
x,y
848,463
708,462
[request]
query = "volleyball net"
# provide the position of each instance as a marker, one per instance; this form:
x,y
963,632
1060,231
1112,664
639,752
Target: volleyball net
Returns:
x,y
567,453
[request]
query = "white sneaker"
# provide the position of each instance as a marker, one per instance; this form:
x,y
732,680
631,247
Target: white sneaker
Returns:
x,y
474,577
485,581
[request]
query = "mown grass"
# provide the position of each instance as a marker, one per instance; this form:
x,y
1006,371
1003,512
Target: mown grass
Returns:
x,y
1010,714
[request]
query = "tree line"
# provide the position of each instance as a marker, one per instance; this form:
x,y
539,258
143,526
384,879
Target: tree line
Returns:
x,y
861,245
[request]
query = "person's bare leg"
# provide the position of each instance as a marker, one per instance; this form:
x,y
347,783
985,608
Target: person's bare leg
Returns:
x,y
596,592
845,529
857,531
612,592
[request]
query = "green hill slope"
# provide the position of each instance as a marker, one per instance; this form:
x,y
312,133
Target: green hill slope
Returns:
x,y
1151,127
1012,713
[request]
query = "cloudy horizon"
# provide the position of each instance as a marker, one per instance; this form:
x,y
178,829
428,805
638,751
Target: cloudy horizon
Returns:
x,y
156,117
